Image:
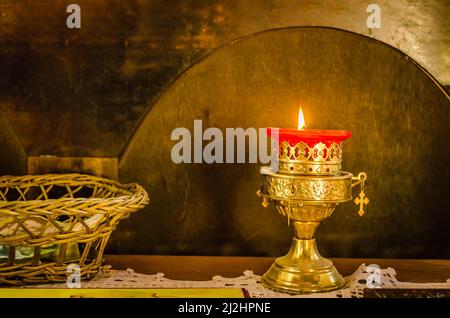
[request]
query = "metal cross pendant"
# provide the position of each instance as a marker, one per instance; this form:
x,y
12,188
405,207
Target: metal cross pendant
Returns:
x,y
361,200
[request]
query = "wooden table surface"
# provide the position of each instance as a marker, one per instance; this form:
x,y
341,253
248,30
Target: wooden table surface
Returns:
x,y
205,267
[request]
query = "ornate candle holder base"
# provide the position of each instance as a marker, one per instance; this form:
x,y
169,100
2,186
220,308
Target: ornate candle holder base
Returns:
x,y
306,201
302,270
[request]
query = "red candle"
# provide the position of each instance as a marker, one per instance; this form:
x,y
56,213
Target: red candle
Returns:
x,y
309,136
309,151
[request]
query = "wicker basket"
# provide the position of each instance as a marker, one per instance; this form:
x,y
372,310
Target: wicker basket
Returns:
x,y
57,220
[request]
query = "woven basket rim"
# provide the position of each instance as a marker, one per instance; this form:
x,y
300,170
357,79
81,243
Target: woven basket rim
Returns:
x,y
86,227
57,176
134,191
4,204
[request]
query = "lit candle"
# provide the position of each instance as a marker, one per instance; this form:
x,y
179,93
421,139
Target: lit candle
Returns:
x,y
309,136
309,151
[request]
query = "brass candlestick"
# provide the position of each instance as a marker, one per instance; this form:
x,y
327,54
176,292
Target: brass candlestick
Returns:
x,y
306,189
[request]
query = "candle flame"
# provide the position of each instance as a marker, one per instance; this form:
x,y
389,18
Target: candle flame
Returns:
x,y
301,119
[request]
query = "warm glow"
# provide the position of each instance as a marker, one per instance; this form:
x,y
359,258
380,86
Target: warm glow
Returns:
x,y
301,119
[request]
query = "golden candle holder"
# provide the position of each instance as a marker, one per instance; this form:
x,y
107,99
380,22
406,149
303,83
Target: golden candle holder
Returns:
x,y
307,187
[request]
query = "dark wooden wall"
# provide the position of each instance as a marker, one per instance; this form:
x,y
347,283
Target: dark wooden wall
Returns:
x,y
82,93
400,123
13,159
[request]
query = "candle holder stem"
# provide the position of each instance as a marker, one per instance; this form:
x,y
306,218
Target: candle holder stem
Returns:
x,y
304,230
303,269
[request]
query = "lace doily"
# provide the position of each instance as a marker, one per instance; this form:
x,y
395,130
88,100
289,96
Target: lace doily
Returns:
x,y
355,283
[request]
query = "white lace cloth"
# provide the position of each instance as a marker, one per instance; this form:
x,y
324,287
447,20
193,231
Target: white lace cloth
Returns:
x,y
355,283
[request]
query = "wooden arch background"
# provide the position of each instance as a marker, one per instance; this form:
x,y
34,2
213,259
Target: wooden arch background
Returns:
x,y
399,116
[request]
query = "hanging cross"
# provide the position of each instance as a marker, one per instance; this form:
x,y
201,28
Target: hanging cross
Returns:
x,y
361,200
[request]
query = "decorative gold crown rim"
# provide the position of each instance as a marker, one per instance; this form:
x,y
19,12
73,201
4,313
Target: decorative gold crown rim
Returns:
x,y
301,152
309,168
